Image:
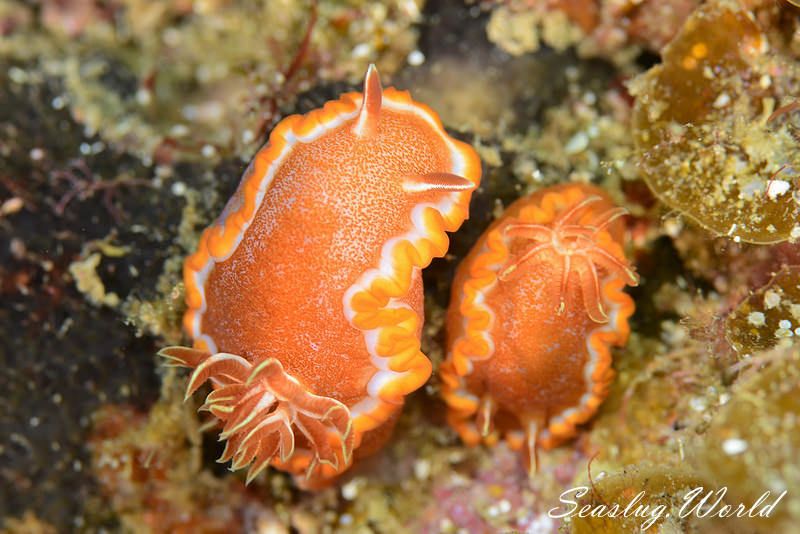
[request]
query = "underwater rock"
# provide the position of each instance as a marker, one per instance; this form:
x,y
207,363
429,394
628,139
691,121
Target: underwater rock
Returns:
x,y
148,466
179,80
751,444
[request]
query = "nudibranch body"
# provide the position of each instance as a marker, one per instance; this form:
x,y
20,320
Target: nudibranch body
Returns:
x,y
305,297
535,307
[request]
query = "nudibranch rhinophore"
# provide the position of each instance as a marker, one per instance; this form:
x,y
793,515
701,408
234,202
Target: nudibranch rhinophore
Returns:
x,y
535,307
305,297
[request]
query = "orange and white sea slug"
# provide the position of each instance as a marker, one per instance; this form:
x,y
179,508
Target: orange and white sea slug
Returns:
x,y
535,307
305,297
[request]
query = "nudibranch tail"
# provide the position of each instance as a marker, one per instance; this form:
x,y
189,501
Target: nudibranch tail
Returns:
x,y
367,121
264,410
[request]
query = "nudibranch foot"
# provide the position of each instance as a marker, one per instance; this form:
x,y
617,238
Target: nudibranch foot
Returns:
x,y
264,410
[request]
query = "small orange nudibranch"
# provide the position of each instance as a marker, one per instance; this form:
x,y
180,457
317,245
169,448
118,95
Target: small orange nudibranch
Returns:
x,y
535,307
305,297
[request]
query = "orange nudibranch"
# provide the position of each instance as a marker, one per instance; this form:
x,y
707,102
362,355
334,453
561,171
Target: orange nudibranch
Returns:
x,y
305,296
535,308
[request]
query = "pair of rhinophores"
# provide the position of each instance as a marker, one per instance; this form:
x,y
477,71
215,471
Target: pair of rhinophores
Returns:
x,y
305,298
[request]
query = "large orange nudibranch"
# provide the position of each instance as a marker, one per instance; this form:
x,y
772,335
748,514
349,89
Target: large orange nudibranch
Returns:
x,y
535,308
305,297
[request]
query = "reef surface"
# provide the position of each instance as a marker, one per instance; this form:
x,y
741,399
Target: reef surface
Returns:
x,y
125,125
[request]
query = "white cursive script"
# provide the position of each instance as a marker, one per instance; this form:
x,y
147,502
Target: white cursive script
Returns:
x,y
698,502
710,504
634,508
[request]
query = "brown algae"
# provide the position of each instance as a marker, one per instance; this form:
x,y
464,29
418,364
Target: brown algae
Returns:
x,y
714,129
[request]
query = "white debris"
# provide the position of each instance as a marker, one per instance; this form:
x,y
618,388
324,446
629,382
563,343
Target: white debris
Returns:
x,y
361,51
734,446
577,143
208,151
777,188
756,318
415,58
722,100
771,299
